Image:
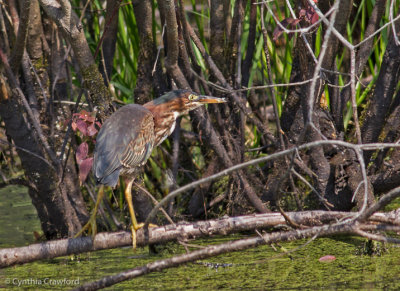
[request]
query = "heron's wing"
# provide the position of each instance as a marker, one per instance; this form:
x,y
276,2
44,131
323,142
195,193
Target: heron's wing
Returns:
x,y
125,141
140,145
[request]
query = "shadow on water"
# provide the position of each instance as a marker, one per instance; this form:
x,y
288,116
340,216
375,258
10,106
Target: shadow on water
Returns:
x,y
262,268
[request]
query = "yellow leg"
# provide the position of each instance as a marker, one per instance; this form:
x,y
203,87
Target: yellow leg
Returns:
x,y
91,225
135,225
128,198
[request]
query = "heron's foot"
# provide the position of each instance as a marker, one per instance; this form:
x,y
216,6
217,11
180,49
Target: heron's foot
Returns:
x,y
134,228
90,227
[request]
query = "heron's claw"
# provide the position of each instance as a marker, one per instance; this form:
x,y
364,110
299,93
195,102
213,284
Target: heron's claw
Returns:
x,y
90,226
134,228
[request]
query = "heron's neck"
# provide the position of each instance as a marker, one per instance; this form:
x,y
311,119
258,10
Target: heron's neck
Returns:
x,y
163,127
164,122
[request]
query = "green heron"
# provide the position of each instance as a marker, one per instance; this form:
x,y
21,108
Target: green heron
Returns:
x,y
127,138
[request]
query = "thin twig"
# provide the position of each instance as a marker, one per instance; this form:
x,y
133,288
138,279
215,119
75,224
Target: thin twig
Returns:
x,y
28,152
353,95
270,82
35,122
155,201
317,71
158,51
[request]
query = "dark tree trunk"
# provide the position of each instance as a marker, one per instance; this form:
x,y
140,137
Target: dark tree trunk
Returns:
x,y
59,218
109,39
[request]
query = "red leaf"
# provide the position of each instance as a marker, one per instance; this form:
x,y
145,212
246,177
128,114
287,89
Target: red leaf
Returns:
x,y
82,152
327,258
84,169
310,15
314,18
86,116
91,130
82,126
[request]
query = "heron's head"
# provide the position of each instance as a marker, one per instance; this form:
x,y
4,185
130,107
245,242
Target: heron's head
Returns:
x,y
167,108
179,102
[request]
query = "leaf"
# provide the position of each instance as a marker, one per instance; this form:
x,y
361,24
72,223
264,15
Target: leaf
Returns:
x,y
86,116
82,152
314,18
82,126
327,258
91,130
73,125
84,169
286,23
309,15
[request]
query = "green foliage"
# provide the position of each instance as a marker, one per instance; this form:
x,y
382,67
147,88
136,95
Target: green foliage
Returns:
x,y
197,14
128,43
125,61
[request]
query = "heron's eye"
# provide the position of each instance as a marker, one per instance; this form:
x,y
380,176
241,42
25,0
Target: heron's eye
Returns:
x,y
192,97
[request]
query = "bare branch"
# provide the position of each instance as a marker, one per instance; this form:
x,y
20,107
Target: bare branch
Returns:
x,y
28,109
273,156
63,247
22,30
69,23
171,62
211,251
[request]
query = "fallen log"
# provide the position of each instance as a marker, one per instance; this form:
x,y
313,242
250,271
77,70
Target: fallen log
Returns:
x,y
181,231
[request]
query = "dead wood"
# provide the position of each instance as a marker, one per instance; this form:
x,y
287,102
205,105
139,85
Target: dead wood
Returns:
x,y
232,246
181,231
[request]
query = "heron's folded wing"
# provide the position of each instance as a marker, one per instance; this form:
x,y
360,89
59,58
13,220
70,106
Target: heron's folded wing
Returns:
x,y
124,141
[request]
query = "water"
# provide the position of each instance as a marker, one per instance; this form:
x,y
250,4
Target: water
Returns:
x,y
262,268
18,218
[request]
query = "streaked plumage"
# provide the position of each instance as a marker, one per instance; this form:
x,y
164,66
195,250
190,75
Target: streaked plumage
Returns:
x,y
127,138
125,142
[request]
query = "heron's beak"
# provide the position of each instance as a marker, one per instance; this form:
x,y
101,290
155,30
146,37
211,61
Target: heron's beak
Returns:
x,y
208,99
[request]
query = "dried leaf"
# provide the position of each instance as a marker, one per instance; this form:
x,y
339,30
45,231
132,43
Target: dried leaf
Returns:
x,y
84,169
82,152
289,23
327,258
